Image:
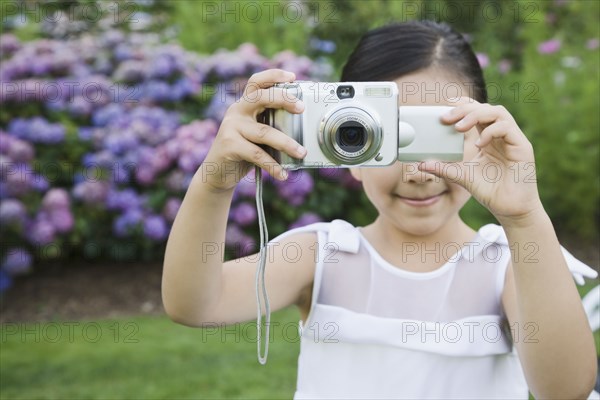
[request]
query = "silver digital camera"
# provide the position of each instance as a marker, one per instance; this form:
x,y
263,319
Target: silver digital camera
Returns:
x,y
360,124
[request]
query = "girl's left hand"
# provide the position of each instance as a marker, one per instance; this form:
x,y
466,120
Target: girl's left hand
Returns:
x,y
501,175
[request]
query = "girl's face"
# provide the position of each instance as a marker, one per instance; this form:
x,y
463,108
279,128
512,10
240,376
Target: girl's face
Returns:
x,y
414,202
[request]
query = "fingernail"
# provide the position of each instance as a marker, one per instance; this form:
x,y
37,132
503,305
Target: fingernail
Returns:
x,y
427,165
299,105
283,174
478,142
460,123
300,150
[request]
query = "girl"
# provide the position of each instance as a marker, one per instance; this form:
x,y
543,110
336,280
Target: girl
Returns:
x,y
414,305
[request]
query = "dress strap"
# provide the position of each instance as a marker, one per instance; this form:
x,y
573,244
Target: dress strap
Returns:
x,y
345,236
579,270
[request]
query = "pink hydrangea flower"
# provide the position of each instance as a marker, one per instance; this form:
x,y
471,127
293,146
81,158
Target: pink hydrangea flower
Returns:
x,y
549,47
483,59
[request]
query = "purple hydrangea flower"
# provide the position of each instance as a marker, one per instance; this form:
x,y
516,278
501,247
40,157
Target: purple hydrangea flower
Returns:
x,y
56,199
80,107
103,158
155,228
17,261
219,105
37,130
228,64
123,200
85,133
157,91
296,188
175,181
183,87
41,232
247,186
121,173
171,208
130,71
105,115
5,142
20,151
39,183
241,242
325,46
19,178
8,44
243,214
91,192
112,38
12,210
125,223
160,67
5,281
62,220
121,142
145,175
306,219
348,181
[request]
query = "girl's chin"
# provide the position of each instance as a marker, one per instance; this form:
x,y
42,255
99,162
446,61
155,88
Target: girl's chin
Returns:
x,y
422,226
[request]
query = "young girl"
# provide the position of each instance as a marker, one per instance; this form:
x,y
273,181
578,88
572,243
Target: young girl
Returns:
x,y
416,304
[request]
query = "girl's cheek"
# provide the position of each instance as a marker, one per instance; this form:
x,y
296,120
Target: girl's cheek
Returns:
x,y
459,193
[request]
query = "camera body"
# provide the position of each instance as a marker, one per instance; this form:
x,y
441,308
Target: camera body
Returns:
x,y
360,124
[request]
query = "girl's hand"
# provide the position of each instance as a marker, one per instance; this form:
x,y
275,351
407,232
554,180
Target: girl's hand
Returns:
x,y
236,147
501,175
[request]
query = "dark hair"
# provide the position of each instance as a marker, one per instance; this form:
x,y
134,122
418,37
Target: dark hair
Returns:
x,y
389,52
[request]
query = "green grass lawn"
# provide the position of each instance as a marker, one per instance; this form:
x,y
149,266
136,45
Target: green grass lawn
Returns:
x,y
145,358
149,358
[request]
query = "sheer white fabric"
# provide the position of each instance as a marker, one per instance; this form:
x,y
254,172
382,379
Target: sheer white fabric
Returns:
x,y
377,331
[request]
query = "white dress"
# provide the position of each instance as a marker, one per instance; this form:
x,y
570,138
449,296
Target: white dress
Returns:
x,y
377,331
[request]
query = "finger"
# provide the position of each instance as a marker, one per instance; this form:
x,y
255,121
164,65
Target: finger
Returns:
x,y
454,172
460,107
264,134
500,130
457,101
482,115
268,78
258,156
259,100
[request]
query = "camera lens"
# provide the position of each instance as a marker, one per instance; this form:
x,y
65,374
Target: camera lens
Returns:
x,y
351,137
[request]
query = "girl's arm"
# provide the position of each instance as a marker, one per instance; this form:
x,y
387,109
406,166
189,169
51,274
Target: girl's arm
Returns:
x,y
559,361
197,288
550,327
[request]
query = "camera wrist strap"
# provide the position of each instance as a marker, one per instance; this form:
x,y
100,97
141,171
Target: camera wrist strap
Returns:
x,y
261,287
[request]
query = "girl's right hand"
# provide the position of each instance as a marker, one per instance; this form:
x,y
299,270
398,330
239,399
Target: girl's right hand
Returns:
x,y
236,147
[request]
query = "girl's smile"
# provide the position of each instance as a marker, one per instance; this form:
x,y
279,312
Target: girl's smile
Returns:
x,y
420,200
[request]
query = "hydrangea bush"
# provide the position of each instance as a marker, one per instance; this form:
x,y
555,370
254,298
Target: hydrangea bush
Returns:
x,y
101,134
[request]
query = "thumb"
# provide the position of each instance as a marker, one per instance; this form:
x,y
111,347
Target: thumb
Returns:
x,y
454,172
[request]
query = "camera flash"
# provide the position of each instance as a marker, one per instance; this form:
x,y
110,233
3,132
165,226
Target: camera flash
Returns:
x,y
375,91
